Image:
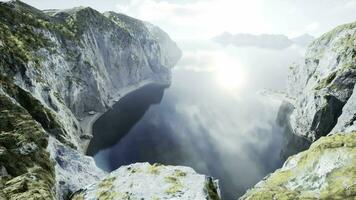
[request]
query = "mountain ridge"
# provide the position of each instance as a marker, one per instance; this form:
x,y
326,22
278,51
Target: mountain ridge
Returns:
x,y
268,41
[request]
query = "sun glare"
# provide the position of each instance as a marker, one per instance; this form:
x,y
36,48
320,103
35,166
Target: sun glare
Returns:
x,y
230,78
231,75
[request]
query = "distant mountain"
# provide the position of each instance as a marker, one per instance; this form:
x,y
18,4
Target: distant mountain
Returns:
x,y
303,40
269,41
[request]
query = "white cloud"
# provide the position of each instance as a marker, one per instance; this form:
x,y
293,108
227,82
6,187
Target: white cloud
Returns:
x,y
207,18
312,27
200,19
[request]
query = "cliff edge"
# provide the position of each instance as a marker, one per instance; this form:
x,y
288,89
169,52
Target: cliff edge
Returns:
x,y
322,94
59,70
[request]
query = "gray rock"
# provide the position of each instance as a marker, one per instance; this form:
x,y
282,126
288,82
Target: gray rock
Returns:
x,y
73,169
325,171
347,121
145,181
27,148
322,91
323,84
86,137
76,62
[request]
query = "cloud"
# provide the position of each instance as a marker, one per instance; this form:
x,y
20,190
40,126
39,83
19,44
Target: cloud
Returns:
x,y
180,1
198,19
312,27
207,18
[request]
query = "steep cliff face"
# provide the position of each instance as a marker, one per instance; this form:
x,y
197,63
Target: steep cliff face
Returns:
x,y
26,170
325,171
322,92
324,83
74,61
58,68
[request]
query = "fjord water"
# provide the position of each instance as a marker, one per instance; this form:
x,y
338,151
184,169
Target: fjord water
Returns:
x,y
212,118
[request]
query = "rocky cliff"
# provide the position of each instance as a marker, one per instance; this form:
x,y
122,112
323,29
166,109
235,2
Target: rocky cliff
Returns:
x,y
59,70
145,181
322,94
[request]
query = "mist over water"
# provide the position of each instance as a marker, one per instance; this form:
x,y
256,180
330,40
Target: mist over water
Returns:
x,y
208,120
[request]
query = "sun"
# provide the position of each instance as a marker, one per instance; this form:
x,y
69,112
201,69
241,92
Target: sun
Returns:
x,y
231,75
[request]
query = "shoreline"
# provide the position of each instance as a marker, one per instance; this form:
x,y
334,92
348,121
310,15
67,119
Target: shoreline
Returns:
x,y
87,122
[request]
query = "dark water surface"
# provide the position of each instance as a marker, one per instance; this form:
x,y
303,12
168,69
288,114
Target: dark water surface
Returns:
x,y
229,133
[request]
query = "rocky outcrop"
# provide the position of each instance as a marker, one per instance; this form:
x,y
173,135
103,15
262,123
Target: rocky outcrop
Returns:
x,y
325,171
73,170
347,120
145,181
324,83
322,93
27,171
292,143
59,70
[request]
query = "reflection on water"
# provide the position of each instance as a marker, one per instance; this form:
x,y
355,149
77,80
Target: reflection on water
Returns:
x,y
230,134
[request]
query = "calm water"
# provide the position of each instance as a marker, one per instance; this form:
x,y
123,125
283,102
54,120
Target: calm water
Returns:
x,y
206,119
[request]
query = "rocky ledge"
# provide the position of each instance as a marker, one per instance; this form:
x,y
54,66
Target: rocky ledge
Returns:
x,y
145,181
322,98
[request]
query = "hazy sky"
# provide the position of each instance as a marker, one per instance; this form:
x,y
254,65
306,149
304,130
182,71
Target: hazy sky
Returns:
x,y
207,18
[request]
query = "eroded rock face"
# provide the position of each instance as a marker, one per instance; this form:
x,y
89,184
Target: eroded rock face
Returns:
x,y
27,172
325,171
58,68
292,143
145,181
324,83
74,61
73,170
347,120
323,96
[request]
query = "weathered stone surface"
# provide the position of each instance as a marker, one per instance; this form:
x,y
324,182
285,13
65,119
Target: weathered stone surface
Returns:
x,y
74,61
145,181
324,83
347,120
323,96
325,171
292,143
59,66
27,172
73,170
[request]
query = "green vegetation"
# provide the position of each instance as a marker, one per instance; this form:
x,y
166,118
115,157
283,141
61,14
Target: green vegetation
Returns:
x,y
327,37
326,81
338,183
176,185
20,33
37,110
107,183
179,173
77,197
105,189
154,169
23,153
211,190
23,30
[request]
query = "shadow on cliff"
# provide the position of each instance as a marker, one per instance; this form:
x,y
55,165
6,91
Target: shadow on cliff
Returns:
x,y
114,124
293,143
